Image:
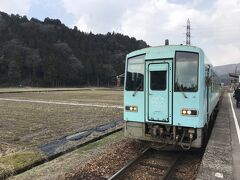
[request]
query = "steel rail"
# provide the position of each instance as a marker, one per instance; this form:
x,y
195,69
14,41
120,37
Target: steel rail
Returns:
x,y
123,170
170,168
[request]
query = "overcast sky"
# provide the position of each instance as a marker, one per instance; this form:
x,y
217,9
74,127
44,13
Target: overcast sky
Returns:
x,y
215,23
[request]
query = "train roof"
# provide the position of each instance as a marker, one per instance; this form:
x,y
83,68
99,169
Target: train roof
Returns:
x,y
167,51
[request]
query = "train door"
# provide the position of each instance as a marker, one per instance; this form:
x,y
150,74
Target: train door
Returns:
x,y
159,93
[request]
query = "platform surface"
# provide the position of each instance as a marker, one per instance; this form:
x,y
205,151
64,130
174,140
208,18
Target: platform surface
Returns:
x,y
222,155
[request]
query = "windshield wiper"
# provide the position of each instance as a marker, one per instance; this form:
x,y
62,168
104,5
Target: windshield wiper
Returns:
x,y
181,90
137,89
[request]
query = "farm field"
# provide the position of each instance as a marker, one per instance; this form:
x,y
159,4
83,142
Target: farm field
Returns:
x,y
25,125
35,89
96,96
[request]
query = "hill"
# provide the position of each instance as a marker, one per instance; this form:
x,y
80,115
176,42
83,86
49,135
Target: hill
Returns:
x,y
224,70
47,53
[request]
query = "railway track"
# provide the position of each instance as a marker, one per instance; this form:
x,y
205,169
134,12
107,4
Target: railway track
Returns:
x,y
150,164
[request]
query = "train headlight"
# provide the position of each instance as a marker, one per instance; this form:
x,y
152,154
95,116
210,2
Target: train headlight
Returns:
x,y
184,112
189,112
131,108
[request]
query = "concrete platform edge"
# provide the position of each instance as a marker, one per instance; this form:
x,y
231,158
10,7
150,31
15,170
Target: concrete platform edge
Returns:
x,y
217,162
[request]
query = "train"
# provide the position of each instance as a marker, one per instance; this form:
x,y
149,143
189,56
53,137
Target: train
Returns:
x,y
171,94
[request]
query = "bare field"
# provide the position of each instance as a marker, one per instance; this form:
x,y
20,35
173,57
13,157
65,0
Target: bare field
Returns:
x,y
96,96
30,89
35,89
26,125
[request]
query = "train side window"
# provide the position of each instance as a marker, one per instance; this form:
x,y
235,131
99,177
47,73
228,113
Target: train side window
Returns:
x,y
158,80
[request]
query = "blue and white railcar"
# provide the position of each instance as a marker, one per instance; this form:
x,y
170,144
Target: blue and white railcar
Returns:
x,y
170,95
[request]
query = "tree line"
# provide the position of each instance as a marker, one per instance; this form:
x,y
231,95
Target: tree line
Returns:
x,y
48,53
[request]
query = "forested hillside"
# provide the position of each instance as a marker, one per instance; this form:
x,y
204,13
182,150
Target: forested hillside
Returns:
x,y
36,53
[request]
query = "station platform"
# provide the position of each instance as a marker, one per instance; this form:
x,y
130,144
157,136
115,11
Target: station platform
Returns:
x,y
222,155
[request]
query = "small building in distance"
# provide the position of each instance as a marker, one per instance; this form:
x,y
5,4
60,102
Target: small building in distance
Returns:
x,y
120,80
235,80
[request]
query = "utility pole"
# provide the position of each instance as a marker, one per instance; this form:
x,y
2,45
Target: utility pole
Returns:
x,y
188,34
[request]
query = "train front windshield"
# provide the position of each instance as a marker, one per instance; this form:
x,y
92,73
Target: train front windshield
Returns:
x,y
186,72
135,73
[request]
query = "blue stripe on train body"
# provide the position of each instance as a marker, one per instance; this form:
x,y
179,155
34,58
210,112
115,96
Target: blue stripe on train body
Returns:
x,y
170,95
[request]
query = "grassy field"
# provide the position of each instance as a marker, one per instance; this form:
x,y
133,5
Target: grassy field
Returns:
x,y
26,125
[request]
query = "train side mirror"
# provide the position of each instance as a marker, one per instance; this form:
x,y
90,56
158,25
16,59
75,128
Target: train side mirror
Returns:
x,y
208,81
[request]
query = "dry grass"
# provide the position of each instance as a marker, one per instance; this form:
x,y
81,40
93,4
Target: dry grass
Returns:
x,y
12,161
24,126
